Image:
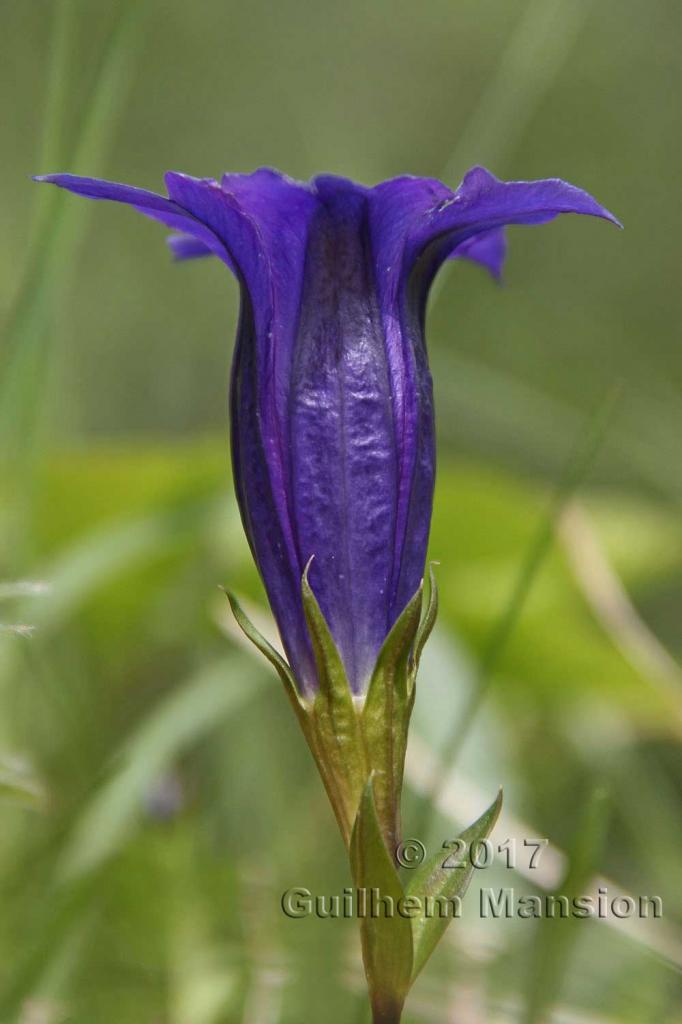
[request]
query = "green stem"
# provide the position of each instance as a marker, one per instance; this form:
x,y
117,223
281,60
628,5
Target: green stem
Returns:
x,y
379,1014
387,1014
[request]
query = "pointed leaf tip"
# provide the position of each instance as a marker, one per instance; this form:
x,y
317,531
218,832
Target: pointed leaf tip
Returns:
x,y
443,879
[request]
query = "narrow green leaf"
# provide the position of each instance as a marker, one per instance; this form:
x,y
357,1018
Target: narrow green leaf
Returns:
x,y
386,715
434,882
386,937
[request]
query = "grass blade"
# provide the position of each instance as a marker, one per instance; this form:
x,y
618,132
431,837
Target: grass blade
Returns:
x,y
29,335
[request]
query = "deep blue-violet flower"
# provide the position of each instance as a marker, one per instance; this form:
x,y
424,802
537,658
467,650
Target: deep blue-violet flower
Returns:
x,y
334,464
331,396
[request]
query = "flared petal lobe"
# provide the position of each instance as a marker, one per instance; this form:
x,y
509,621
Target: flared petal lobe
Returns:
x,y
331,396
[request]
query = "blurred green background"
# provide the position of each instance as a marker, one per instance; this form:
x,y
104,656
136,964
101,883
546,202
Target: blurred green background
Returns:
x,y
156,796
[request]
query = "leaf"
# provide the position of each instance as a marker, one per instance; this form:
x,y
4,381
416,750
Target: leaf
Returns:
x,y
386,716
433,881
386,940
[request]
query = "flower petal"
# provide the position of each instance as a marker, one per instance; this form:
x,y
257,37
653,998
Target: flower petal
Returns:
x,y
488,249
483,203
265,234
97,188
343,440
416,224
149,203
184,247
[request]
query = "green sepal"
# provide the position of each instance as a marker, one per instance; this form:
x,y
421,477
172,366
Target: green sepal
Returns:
x,y
340,750
386,716
433,880
386,940
350,737
330,669
265,647
428,620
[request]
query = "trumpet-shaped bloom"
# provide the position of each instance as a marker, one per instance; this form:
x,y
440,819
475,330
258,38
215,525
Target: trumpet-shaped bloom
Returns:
x,y
331,396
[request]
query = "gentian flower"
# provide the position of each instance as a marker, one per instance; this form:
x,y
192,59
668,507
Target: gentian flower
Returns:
x,y
334,464
331,396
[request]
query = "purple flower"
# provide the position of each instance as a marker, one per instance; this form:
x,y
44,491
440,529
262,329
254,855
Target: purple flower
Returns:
x,y
331,397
